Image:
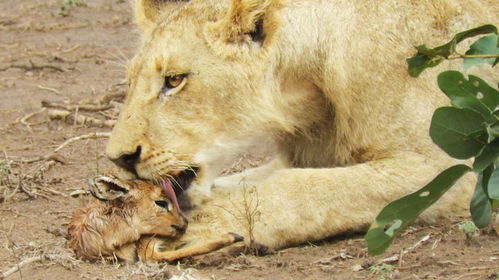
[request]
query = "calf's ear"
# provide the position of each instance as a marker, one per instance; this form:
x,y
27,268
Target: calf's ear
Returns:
x,y
107,188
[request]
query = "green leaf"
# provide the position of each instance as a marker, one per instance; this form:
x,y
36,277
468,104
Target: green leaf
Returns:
x,y
419,63
459,132
495,204
493,186
398,214
487,94
487,157
426,58
465,94
493,131
486,45
481,207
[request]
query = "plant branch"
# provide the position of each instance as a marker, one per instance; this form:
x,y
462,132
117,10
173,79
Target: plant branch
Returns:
x,y
462,56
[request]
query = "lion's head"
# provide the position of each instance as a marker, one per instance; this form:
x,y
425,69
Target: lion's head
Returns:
x,y
204,88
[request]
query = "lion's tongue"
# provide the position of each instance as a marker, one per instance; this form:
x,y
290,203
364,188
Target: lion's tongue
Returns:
x,y
170,193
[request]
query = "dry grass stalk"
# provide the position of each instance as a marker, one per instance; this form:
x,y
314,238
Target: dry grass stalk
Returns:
x,y
248,215
150,271
6,182
32,182
51,253
251,214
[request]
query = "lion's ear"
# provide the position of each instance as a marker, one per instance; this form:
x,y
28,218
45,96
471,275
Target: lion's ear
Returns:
x,y
248,23
148,12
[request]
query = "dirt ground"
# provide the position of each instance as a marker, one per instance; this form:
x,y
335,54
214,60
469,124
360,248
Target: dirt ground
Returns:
x,y
75,54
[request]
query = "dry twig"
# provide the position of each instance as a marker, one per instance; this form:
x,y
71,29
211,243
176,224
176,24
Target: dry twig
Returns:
x,y
25,120
398,257
49,89
82,137
106,98
18,266
53,157
53,257
77,119
80,107
74,48
32,67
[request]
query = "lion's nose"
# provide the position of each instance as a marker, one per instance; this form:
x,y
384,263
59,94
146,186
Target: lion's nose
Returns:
x,y
128,161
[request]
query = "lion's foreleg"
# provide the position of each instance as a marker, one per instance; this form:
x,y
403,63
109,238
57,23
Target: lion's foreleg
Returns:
x,y
300,205
249,176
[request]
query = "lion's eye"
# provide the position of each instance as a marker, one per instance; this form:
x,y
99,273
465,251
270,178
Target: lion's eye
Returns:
x,y
173,81
173,84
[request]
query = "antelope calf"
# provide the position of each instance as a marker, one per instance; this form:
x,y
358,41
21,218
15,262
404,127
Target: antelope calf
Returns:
x,y
134,220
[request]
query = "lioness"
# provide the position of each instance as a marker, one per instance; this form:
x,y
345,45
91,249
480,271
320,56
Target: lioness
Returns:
x,y
324,84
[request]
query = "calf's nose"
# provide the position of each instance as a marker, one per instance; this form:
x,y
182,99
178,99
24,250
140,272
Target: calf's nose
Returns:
x,y
182,225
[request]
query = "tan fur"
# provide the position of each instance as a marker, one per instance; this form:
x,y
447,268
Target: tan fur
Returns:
x,y
328,89
131,227
148,12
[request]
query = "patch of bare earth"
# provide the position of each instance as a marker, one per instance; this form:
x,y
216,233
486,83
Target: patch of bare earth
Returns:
x,y
61,84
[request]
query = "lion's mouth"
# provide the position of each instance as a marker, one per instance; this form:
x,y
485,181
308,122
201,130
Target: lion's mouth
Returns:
x,y
183,180
177,185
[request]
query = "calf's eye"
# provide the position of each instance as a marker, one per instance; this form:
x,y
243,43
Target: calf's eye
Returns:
x,y
162,203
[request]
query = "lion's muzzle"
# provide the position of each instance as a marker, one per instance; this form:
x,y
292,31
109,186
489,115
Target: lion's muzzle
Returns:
x,y
128,161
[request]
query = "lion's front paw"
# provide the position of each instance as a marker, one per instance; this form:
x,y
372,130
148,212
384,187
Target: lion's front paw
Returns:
x,y
259,249
236,237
